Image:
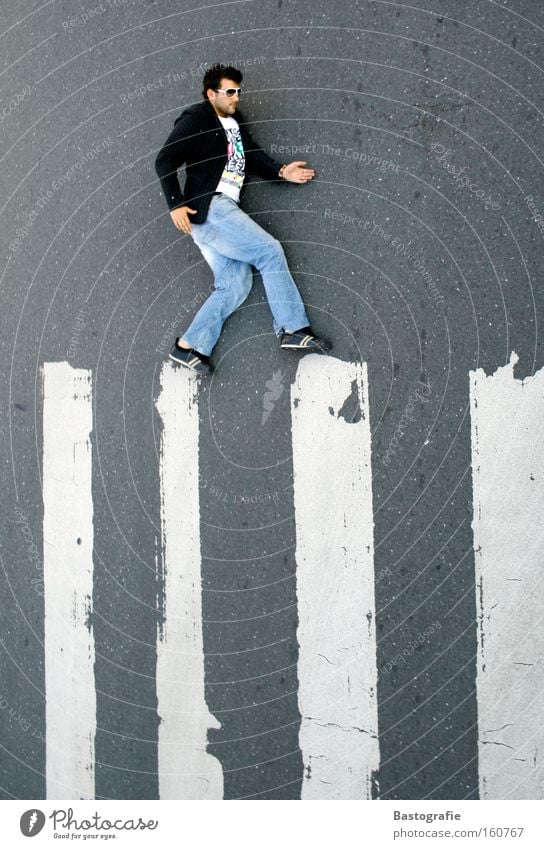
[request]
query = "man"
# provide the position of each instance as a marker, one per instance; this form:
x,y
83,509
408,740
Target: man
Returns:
x,y
211,138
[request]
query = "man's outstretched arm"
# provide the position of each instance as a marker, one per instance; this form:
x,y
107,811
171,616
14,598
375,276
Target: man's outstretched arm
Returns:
x,y
264,166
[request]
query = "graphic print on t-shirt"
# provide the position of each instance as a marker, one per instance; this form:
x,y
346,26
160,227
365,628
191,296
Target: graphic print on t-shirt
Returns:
x,y
233,174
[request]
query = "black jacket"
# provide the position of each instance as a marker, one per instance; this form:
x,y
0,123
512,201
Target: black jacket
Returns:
x,y
199,140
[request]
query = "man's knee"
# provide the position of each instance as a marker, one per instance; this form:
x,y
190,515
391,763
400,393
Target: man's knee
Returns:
x,y
271,251
243,287
235,287
276,247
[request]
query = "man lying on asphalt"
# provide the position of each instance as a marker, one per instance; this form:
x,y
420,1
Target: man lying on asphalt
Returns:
x,y
210,137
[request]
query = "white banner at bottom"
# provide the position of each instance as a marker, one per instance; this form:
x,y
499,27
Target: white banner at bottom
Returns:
x,y
352,824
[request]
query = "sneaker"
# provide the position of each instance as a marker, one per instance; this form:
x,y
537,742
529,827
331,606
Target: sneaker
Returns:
x,y
197,362
304,340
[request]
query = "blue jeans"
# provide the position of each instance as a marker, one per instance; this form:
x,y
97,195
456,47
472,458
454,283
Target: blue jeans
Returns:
x,y
231,242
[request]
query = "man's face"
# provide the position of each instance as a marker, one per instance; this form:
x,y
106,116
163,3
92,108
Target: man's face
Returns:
x,y
222,103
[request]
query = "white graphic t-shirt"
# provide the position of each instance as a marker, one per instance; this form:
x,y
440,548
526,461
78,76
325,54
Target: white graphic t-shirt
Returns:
x,y
232,178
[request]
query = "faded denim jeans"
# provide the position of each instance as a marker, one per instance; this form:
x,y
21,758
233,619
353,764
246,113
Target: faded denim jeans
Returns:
x,y
231,242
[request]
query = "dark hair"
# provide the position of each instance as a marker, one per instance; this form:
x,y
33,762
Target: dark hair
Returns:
x,y
214,75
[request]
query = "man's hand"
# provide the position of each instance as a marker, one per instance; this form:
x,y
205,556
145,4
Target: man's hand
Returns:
x,y
296,173
180,217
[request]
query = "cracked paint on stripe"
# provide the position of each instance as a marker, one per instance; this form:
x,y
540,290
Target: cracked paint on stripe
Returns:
x,y
186,770
335,579
70,695
507,421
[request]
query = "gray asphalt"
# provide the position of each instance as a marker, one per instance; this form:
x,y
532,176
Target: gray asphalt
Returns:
x,y
381,97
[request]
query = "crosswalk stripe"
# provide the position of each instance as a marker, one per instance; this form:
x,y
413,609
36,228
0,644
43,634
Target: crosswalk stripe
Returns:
x,y
507,420
335,579
70,711
186,770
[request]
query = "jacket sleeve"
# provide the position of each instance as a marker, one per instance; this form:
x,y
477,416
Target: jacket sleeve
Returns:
x,y
258,162
173,154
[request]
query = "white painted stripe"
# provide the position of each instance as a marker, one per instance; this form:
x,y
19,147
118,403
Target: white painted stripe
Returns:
x,y
335,579
186,770
70,711
508,484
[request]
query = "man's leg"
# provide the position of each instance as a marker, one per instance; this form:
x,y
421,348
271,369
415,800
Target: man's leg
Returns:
x,y
233,281
234,234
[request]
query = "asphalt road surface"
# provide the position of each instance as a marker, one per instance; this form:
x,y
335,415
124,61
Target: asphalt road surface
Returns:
x,y
418,250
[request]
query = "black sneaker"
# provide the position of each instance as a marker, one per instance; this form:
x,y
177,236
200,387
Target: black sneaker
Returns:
x,y
304,340
197,362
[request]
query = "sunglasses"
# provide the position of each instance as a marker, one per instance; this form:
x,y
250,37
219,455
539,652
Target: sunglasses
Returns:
x,y
229,91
